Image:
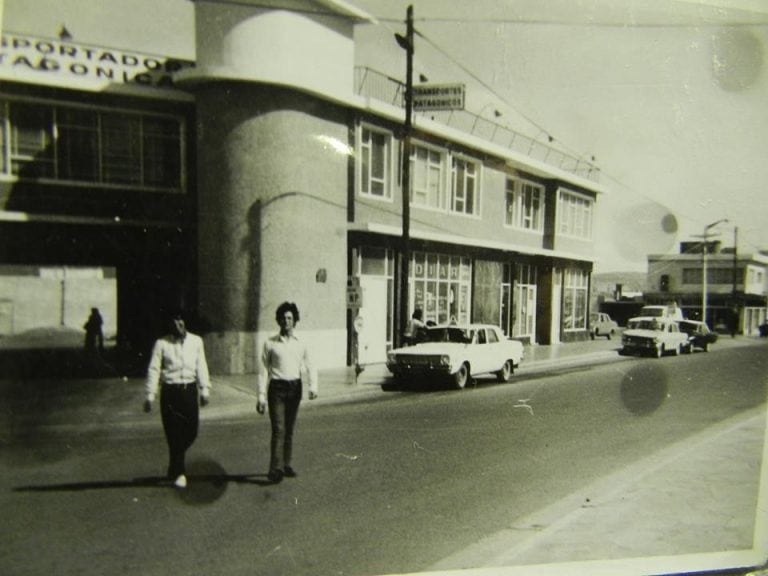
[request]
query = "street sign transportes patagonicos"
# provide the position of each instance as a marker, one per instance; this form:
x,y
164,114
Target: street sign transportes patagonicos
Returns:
x,y
438,97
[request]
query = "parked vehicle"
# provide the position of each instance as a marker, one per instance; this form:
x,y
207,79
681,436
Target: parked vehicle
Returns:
x,y
457,353
654,336
600,324
699,334
657,311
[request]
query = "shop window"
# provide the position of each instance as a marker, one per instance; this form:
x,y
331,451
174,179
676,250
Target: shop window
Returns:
x,y
575,292
441,287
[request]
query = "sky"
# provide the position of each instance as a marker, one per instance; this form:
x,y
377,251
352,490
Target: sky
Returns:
x,y
669,96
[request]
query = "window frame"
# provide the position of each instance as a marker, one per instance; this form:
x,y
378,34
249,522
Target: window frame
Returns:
x,y
55,111
476,178
442,179
575,284
575,214
365,151
517,212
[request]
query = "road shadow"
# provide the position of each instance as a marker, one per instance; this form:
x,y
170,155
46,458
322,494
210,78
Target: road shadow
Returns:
x,y
207,481
200,488
64,363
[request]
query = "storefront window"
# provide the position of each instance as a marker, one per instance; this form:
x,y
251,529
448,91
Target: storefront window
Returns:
x,y
441,287
575,300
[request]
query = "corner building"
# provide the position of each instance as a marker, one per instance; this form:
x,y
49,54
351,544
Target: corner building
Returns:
x,y
289,188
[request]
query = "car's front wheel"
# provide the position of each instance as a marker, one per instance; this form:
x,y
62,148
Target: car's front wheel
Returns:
x,y
506,371
659,352
461,377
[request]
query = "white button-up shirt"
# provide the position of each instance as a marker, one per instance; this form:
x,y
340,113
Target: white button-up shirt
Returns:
x,y
284,358
177,361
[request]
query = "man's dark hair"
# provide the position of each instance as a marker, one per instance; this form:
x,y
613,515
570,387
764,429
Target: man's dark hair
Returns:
x,y
287,307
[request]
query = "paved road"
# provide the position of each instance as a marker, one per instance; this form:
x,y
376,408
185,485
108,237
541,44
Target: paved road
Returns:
x,y
536,471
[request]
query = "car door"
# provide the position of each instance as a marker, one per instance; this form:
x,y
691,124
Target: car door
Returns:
x,y
497,348
487,350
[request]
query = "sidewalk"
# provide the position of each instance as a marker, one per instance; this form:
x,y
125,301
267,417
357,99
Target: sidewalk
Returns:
x,y
236,394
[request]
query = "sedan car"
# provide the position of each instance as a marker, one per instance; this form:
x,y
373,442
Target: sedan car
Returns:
x,y
600,324
699,334
654,336
457,353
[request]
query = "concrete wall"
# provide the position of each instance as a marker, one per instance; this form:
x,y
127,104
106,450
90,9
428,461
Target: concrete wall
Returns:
x,y
55,299
272,220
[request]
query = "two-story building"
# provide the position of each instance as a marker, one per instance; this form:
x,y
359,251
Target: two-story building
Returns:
x,y
733,296
267,171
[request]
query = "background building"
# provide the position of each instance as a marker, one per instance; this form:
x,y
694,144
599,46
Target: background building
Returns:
x,y
736,287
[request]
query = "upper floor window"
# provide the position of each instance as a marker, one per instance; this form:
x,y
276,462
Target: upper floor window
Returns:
x,y
427,177
464,189
525,205
90,146
575,215
375,163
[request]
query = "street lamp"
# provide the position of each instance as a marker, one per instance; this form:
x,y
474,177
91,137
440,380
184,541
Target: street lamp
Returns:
x,y
705,249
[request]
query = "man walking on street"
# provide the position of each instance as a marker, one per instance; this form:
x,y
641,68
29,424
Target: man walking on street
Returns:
x,y
283,359
178,368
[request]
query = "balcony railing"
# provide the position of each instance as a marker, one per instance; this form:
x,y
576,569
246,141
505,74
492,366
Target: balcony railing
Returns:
x,y
373,84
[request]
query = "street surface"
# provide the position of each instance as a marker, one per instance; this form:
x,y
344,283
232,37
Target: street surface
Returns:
x,y
392,484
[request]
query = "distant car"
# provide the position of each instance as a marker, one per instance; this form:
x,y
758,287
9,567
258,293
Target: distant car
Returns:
x,y
456,353
654,336
600,324
699,334
659,311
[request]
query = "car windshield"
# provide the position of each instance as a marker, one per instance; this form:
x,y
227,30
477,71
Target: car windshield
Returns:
x,y
652,312
645,325
448,334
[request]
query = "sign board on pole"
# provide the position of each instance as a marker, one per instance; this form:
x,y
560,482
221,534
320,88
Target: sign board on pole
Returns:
x,y
438,97
354,293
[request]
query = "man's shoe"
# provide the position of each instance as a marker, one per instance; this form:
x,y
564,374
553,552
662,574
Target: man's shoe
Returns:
x,y
275,476
289,472
180,482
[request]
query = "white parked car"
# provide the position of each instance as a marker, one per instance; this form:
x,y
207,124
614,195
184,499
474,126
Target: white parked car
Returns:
x,y
654,336
457,353
600,324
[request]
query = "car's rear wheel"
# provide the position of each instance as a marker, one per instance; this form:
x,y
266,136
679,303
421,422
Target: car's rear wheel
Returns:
x,y
705,347
506,371
461,377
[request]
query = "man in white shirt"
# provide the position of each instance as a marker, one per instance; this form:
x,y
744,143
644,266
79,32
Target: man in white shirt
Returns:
x,y
178,369
284,357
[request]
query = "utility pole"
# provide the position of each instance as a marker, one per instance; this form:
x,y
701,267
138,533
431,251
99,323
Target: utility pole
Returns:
x,y
705,249
405,257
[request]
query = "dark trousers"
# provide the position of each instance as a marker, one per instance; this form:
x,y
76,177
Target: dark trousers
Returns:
x,y
283,397
181,417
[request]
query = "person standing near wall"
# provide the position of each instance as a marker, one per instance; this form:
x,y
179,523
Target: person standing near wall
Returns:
x,y
94,335
279,385
179,371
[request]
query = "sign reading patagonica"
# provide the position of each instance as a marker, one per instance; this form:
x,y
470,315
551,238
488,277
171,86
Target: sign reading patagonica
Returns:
x,y
67,64
438,97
